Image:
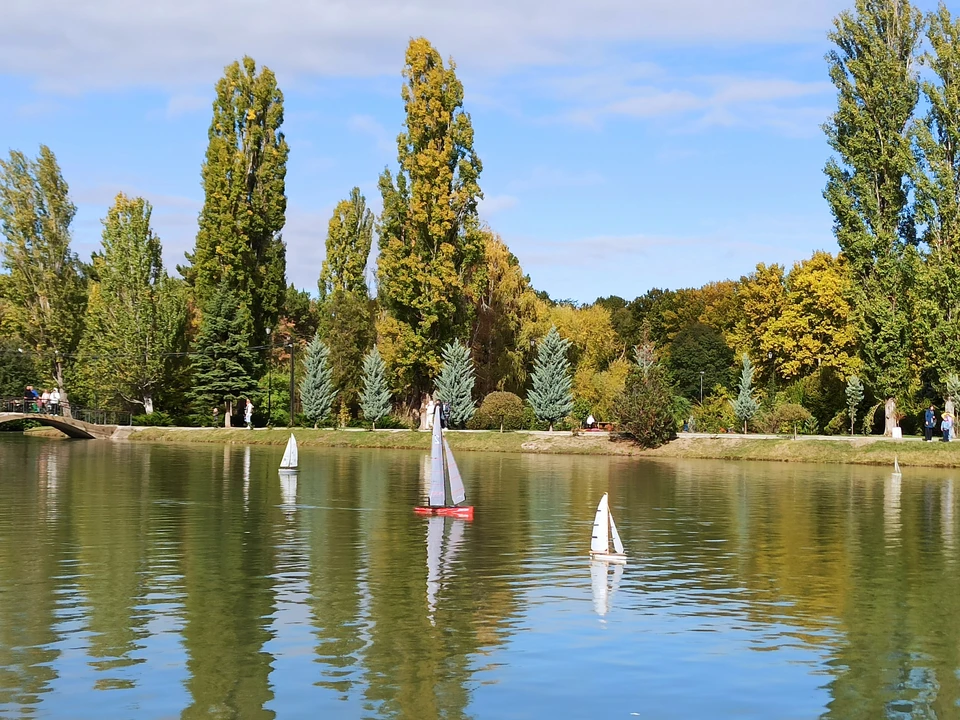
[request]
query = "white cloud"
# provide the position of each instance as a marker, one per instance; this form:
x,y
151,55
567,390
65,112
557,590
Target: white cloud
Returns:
x,y
367,125
72,46
494,204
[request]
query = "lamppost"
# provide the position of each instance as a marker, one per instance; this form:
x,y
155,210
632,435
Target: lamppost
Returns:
x,y
269,378
701,387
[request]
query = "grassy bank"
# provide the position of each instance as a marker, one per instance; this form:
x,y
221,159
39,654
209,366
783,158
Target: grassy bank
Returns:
x,y
859,451
559,443
840,450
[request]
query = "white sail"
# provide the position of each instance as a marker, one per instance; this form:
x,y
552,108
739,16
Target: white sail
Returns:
x,y
291,455
896,465
617,542
600,542
437,493
457,493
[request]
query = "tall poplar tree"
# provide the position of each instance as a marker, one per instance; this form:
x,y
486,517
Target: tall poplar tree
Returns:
x,y
429,237
867,182
346,317
45,290
938,191
239,239
349,237
136,314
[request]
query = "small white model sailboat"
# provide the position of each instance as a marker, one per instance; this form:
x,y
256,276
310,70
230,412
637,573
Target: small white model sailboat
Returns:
x,y
604,528
291,456
896,466
443,473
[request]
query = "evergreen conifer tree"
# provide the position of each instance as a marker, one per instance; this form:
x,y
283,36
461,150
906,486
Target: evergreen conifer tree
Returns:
x,y
223,365
854,398
455,382
375,396
550,396
745,407
316,390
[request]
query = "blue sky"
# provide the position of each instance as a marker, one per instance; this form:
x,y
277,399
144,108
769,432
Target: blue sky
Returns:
x,y
626,145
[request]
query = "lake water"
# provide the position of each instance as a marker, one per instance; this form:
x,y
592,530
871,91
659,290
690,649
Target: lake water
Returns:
x,y
152,581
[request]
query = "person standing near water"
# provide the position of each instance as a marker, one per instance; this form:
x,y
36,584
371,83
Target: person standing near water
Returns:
x,y
946,425
929,423
248,415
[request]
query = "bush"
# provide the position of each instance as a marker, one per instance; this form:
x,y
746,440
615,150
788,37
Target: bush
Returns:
x,y
500,411
783,418
388,422
157,418
644,411
715,415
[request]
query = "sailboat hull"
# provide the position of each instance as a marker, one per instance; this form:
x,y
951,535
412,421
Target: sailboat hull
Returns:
x,y
609,557
464,513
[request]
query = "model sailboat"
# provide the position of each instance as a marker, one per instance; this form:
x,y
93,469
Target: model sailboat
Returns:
x,y
446,495
291,455
604,528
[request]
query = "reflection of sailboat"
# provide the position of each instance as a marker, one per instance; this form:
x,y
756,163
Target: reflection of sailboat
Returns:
x,y
602,592
291,455
444,472
603,528
288,488
440,558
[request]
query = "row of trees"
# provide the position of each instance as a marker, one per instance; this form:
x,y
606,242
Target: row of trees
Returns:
x,y
120,330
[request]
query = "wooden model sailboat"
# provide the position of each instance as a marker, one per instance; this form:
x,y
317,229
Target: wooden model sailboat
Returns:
x,y
603,529
444,473
291,455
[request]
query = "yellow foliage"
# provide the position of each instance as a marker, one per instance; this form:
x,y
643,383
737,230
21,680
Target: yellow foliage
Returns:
x,y
601,389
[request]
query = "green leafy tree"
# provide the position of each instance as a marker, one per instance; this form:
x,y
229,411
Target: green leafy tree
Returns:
x,y
349,237
223,364
429,237
243,213
699,354
745,406
375,397
873,68
455,382
854,393
317,391
136,314
346,326
550,396
644,411
937,185
45,290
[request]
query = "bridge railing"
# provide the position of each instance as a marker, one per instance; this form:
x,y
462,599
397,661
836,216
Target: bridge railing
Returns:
x,y
88,415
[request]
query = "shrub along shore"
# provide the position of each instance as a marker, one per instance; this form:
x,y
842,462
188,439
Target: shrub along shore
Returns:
x,y
858,450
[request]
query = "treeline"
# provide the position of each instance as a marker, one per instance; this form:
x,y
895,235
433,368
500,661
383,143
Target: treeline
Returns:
x,y
120,331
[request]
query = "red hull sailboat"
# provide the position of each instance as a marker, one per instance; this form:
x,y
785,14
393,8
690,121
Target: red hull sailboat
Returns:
x,y
443,473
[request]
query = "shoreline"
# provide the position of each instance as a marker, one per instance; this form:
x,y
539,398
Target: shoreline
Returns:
x,y
837,450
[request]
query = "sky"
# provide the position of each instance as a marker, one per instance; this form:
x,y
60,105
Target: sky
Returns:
x,y
626,144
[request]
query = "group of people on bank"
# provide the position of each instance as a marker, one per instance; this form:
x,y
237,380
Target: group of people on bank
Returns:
x,y
47,402
947,421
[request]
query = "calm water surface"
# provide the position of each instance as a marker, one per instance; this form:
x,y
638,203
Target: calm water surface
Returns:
x,y
141,581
